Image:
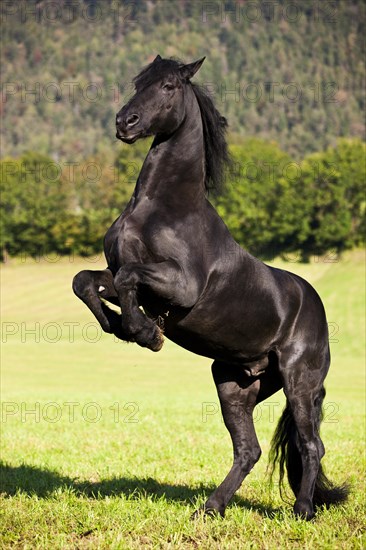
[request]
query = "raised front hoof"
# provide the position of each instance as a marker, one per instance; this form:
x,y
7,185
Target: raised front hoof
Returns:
x,y
304,510
207,513
151,339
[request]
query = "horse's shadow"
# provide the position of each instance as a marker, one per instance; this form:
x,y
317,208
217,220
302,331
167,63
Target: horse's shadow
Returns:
x,y
42,482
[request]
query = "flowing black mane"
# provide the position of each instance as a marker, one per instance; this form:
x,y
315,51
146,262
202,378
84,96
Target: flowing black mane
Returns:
x,y
216,150
214,124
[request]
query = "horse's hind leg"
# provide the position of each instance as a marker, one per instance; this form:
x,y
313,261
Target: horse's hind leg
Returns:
x,y
303,386
238,396
90,287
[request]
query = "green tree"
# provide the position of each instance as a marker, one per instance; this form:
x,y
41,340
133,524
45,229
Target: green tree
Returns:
x,y
250,203
350,159
331,189
34,199
274,205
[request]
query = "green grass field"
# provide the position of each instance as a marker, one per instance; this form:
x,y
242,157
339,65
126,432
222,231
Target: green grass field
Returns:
x,y
107,445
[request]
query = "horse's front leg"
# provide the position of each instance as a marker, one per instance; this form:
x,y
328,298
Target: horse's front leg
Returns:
x,y
93,286
167,281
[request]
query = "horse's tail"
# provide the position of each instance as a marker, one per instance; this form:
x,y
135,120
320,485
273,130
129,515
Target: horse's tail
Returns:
x,y
284,452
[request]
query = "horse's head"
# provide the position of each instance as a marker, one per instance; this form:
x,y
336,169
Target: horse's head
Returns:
x,y
158,105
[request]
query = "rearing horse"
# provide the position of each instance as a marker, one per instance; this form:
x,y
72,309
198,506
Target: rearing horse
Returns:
x,y
170,253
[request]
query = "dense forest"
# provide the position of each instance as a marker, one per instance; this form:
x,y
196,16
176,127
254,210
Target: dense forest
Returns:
x,y
289,71
289,77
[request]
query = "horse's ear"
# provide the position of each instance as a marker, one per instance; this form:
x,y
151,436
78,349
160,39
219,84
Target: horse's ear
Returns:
x,y
187,71
157,58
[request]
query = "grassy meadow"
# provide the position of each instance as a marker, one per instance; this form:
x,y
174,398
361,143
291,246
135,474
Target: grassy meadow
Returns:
x,y
107,445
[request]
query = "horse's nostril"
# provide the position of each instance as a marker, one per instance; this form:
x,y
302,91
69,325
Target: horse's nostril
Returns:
x,y
131,120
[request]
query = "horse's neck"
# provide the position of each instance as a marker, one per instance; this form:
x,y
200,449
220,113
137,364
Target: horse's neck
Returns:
x,y
174,169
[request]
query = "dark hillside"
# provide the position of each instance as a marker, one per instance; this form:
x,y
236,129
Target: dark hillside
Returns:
x,y
287,71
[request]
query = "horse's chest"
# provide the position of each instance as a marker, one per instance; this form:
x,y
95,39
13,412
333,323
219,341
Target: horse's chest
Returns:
x,y
125,243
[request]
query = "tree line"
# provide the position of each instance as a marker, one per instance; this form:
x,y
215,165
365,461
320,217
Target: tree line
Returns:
x,y
272,204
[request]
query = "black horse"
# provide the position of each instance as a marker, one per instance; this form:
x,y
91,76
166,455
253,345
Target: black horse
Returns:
x,y
174,268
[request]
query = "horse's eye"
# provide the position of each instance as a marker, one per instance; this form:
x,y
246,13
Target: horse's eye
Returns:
x,y
168,87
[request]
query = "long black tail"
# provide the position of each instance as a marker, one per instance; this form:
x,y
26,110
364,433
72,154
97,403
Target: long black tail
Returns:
x,y
285,452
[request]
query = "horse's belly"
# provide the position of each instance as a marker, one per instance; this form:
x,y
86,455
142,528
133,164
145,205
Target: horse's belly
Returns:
x,y
227,343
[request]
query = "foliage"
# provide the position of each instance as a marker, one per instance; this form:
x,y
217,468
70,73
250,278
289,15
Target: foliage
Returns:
x,y
34,199
276,205
249,205
289,72
286,71
271,204
350,158
330,195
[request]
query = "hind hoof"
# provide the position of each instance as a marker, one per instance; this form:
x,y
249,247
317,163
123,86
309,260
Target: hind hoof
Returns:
x,y
207,513
304,511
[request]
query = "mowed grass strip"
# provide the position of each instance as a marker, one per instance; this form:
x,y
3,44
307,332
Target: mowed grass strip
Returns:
x,y
107,445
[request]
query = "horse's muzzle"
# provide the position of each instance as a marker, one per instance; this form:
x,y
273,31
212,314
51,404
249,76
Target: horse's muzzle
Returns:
x,y
126,138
